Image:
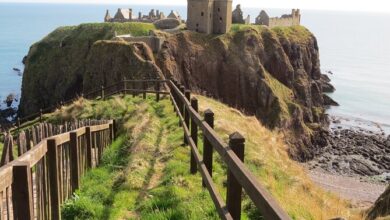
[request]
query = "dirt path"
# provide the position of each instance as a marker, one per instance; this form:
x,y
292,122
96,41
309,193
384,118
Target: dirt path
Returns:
x,y
361,194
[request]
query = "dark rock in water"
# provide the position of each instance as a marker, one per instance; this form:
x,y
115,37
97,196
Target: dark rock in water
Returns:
x,y
325,78
325,83
10,99
16,69
330,72
24,60
327,87
329,101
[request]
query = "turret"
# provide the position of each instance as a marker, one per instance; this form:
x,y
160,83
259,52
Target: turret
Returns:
x,y
107,18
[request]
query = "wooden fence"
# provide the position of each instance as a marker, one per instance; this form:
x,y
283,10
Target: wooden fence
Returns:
x,y
238,178
135,87
45,175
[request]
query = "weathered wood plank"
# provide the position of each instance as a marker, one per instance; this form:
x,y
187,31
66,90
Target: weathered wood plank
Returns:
x,y
22,195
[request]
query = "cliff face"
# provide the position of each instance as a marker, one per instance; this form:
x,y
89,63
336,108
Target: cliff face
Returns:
x,y
55,66
110,61
273,74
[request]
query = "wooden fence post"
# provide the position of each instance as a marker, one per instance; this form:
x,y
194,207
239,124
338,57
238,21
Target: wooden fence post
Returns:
x,y
22,194
157,91
144,88
124,86
112,135
74,161
102,92
207,147
133,88
52,153
180,102
194,135
88,137
18,123
186,113
234,189
173,92
7,155
40,115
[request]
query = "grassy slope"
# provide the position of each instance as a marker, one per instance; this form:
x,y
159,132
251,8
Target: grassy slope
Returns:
x,y
145,173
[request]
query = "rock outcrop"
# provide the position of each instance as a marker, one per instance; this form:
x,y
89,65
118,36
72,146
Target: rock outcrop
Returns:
x,y
110,61
273,74
55,66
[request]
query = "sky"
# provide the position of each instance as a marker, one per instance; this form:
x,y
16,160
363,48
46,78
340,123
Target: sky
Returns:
x,y
344,5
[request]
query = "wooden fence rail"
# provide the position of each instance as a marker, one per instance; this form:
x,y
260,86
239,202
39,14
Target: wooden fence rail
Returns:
x,y
239,177
40,180
76,148
135,87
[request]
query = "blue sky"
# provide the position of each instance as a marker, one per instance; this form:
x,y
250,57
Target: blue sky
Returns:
x,y
349,5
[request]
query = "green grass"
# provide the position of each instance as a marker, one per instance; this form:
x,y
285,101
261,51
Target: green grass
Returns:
x,y
145,173
298,34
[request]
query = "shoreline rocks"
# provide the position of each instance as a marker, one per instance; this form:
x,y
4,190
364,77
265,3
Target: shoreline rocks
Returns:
x,y
353,152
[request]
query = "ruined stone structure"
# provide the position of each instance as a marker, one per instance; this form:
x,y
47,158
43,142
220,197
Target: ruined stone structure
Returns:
x,y
238,16
126,15
209,16
285,20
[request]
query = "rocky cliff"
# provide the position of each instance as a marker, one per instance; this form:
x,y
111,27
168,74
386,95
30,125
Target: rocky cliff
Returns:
x,y
55,66
271,73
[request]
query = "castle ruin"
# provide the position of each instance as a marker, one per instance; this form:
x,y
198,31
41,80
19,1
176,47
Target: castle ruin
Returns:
x,y
126,15
285,20
209,16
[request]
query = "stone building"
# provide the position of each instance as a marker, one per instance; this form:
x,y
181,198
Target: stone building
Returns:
x,y
285,20
238,16
209,16
126,15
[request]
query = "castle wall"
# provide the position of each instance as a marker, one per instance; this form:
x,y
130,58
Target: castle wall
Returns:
x,y
284,22
200,16
222,19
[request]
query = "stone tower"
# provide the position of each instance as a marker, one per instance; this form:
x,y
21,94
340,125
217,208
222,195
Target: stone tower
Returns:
x,y
199,14
209,16
222,16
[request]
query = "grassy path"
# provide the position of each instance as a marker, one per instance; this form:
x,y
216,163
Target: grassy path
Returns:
x,y
145,173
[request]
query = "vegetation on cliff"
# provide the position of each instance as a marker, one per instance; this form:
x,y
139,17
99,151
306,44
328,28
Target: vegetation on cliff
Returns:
x,y
271,73
55,65
145,173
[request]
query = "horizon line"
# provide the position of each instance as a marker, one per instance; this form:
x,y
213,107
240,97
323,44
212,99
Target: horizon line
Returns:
x,y
162,4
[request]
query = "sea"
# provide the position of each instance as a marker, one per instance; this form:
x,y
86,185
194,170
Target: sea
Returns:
x,y
354,50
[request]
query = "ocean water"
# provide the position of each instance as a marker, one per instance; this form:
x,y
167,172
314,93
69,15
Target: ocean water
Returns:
x,y
353,45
